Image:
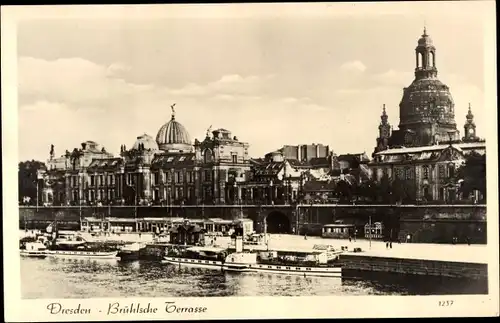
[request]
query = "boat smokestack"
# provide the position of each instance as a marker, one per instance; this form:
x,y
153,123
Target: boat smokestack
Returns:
x,y
239,243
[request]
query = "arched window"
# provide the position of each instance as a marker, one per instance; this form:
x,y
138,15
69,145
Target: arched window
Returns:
x,y
407,173
441,171
208,157
451,170
408,139
426,172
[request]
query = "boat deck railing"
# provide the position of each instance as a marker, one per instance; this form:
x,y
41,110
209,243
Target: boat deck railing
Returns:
x,y
308,263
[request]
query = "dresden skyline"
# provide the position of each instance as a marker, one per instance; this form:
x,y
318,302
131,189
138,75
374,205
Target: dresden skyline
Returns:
x,y
272,82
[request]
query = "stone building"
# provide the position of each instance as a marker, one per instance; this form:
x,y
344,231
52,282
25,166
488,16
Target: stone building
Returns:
x,y
273,179
304,153
224,162
168,170
426,151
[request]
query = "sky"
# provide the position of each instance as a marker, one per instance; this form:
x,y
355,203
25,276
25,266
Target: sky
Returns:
x,y
272,81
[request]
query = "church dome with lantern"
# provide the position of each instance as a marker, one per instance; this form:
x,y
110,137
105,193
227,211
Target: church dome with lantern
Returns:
x,y
173,136
427,101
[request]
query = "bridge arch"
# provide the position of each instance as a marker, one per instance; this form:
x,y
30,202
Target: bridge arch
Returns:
x,y
278,222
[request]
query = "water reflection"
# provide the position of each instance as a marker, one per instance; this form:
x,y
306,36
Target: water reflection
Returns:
x,y
82,278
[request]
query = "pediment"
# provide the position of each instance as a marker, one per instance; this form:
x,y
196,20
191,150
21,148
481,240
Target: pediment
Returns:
x,y
451,154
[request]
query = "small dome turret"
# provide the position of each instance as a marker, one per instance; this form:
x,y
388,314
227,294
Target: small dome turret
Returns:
x,y
145,142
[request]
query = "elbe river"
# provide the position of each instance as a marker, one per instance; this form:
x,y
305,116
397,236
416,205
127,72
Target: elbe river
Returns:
x,y
64,278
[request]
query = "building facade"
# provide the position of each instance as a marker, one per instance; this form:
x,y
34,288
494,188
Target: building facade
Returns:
x,y
426,151
304,153
168,170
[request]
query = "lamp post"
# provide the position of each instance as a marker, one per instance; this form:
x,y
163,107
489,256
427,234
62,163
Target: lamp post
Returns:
x,y
370,225
37,192
297,217
271,199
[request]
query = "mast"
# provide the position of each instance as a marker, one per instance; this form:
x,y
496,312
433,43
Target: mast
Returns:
x,y
265,233
370,224
135,207
80,210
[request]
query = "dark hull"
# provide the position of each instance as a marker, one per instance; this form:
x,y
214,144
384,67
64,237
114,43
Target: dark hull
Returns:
x,y
133,255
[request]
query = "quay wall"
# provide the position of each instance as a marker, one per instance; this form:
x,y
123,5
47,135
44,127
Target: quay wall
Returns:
x,y
414,266
425,223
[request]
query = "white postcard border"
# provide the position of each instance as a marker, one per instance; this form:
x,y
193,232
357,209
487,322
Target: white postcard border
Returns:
x,y
17,309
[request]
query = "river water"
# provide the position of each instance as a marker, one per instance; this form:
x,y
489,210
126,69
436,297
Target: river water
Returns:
x,y
63,278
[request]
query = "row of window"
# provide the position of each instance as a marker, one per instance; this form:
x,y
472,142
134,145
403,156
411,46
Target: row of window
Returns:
x,y
99,180
179,193
178,177
95,180
409,173
406,173
96,195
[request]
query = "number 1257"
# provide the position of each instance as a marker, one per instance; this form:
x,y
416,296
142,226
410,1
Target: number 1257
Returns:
x,y
445,303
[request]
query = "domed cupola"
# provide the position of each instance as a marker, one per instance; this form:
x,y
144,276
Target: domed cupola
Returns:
x,y
425,58
173,136
425,40
145,142
427,100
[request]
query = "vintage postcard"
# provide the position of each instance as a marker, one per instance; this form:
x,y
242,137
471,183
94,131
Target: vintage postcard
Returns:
x,y
250,161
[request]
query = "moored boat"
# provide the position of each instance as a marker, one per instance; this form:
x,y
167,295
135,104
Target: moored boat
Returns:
x,y
83,254
317,262
77,247
34,250
250,262
131,251
201,257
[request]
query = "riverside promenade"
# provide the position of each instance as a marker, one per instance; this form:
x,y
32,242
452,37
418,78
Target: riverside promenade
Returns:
x,y
423,251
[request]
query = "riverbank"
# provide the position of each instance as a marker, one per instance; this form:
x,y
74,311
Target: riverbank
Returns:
x,y
461,260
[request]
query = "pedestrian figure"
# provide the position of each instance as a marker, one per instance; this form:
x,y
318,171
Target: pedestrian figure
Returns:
x,y
350,239
390,244
387,245
468,240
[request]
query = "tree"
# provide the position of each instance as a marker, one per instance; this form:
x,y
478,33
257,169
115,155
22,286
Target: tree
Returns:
x,y
344,191
397,190
129,195
473,174
384,189
75,157
368,190
28,177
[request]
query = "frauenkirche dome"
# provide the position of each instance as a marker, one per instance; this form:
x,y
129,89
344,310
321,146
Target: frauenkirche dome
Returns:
x,y
427,107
